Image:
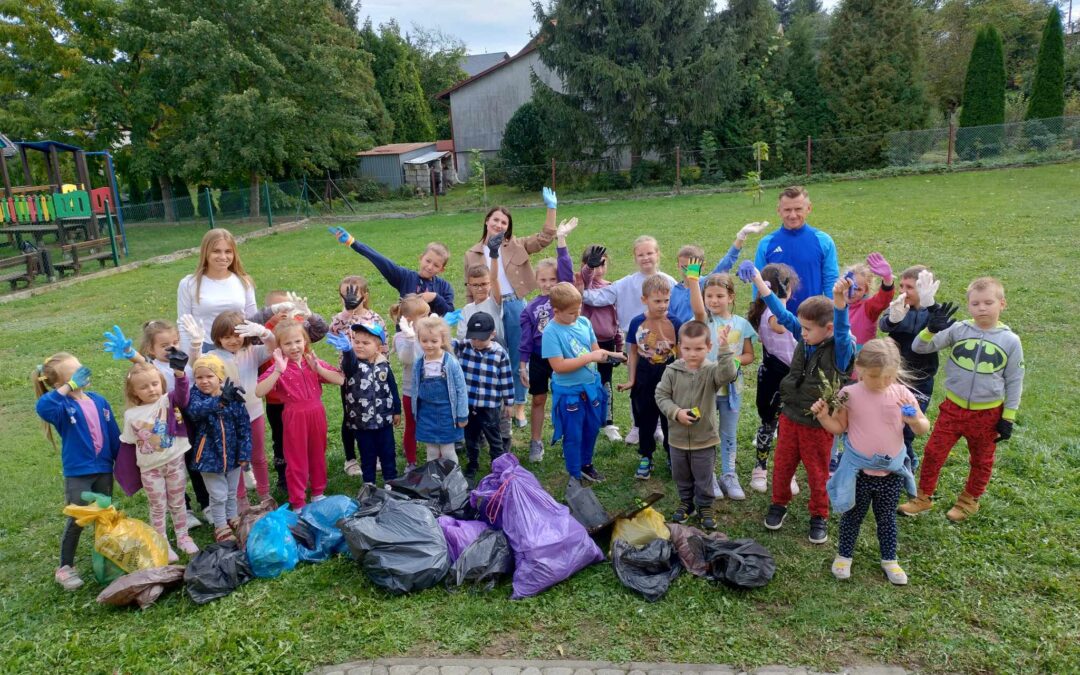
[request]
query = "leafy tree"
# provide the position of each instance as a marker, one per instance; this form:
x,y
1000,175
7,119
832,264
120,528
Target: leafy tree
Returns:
x,y
348,11
398,81
526,149
785,10
438,57
1048,89
984,86
808,111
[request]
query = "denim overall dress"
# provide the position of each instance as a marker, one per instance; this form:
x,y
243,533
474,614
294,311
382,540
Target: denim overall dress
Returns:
x,y
435,421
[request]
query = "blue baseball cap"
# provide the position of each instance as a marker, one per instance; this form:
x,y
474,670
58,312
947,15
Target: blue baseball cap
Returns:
x,y
372,329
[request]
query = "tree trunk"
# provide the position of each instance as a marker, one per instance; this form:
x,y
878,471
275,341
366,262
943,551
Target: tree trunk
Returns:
x,y
253,196
167,197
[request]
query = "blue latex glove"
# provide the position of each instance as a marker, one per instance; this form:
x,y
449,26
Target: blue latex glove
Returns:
x,y
453,317
851,291
341,235
340,342
747,271
117,344
907,410
550,199
80,379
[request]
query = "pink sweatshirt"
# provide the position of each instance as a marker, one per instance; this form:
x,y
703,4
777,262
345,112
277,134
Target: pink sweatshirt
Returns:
x,y
605,321
864,313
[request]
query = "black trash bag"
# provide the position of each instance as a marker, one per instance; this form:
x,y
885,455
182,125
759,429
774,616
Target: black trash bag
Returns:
x,y
216,571
371,500
742,563
585,507
303,535
482,563
439,481
647,569
401,547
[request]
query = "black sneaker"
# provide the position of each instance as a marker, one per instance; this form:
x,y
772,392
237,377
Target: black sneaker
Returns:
x,y
683,513
774,519
470,472
707,520
589,473
819,530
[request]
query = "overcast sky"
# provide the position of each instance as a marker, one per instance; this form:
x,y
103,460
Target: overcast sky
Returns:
x,y
485,26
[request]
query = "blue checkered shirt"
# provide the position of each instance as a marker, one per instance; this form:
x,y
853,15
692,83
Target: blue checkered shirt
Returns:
x,y
489,378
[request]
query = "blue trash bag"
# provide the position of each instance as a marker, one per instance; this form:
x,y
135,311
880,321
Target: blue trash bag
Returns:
x,y
321,518
271,547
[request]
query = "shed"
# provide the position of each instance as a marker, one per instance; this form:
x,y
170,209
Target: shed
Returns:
x,y
385,163
435,168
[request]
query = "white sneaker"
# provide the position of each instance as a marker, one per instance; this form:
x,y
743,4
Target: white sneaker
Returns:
x,y
192,520
352,468
894,572
658,434
68,578
633,436
841,567
612,433
536,451
317,498
249,480
758,479
794,486
717,492
732,489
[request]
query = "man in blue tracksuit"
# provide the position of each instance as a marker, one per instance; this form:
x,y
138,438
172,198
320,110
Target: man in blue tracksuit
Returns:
x,y
810,252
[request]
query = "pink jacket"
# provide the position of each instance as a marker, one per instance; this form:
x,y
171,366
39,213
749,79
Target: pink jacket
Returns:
x,y
864,314
605,321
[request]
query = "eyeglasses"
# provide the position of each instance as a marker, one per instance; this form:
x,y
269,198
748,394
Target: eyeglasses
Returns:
x,y
486,284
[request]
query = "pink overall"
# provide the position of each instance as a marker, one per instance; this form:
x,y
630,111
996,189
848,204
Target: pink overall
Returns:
x,y
304,428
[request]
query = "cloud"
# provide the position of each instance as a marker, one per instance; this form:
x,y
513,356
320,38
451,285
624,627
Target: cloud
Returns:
x,y
484,26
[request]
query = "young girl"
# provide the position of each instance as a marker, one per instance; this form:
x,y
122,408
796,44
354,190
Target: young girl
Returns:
x,y
440,401
89,441
605,323
405,313
873,466
863,308
233,338
777,347
715,310
222,440
297,377
154,428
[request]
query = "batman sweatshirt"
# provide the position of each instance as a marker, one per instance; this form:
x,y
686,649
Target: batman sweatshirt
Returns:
x,y
984,368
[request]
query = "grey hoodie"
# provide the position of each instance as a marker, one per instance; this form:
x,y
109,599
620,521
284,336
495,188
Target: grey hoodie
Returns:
x,y
681,389
984,368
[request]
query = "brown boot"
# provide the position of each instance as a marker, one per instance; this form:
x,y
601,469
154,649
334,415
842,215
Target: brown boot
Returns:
x,y
965,506
916,506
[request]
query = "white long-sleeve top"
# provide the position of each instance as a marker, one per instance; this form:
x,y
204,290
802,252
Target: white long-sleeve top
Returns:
x,y
215,297
625,294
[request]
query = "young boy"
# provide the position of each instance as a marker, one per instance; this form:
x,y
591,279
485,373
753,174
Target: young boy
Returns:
x,y
680,292
490,384
825,347
905,319
372,405
436,292
687,396
535,371
578,398
652,338
984,377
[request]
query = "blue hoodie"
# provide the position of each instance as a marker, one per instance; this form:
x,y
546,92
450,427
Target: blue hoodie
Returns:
x,y
76,449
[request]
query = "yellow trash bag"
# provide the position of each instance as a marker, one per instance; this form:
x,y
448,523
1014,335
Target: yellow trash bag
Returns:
x,y
129,543
641,529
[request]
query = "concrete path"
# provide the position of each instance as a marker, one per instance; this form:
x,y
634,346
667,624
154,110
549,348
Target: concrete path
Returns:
x,y
421,666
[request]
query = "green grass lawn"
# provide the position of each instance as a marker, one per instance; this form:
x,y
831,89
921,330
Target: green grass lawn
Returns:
x,y
998,593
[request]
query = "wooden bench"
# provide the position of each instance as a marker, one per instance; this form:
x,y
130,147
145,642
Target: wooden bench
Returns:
x,y
23,267
76,255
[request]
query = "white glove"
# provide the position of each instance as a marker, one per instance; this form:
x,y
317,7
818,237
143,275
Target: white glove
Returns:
x,y
565,228
282,307
252,329
300,305
751,228
406,328
195,332
927,288
898,309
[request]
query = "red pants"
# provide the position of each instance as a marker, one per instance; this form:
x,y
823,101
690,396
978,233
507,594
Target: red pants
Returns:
x,y
304,426
258,463
408,438
811,446
979,428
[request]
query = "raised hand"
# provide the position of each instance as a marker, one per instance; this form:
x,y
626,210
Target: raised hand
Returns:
x,y
79,379
941,317
550,200
841,290
851,286
282,307
340,342
751,228
118,345
1004,429
693,268
280,362
880,266
594,257
898,309
194,330
253,330
406,328
494,244
747,271
178,360
299,304
313,363
452,318
927,288
341,235
351,297
230,393
565,228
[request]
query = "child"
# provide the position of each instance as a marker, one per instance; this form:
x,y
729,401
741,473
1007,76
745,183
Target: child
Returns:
x,y
534,371
777,348
440,402
354,293
715,311
233,338
873,467
486,295
906,318
297,377
222,440
652,338
155,428
686,395
89,441
680,292
489,380
605,323
822,359
405,314
984,378
436,292
864,312
372,407
578,405
625,295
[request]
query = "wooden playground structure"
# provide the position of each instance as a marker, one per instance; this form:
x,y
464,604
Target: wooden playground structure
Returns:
x,y
54,228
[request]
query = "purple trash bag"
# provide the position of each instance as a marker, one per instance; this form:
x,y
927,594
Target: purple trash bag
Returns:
x,y
460,533
549,545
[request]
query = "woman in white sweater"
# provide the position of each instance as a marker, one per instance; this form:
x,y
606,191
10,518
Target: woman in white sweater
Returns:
x,y
218,285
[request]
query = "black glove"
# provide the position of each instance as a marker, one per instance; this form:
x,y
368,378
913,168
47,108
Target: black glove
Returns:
x,y
594,256
178,360
941,317
351,298
230,393
1004,429
494,244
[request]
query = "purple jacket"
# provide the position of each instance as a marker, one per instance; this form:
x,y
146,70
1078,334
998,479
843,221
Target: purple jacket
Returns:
x,y
535,316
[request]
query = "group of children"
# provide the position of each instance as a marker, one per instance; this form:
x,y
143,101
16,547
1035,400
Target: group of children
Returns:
x,y
834,397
